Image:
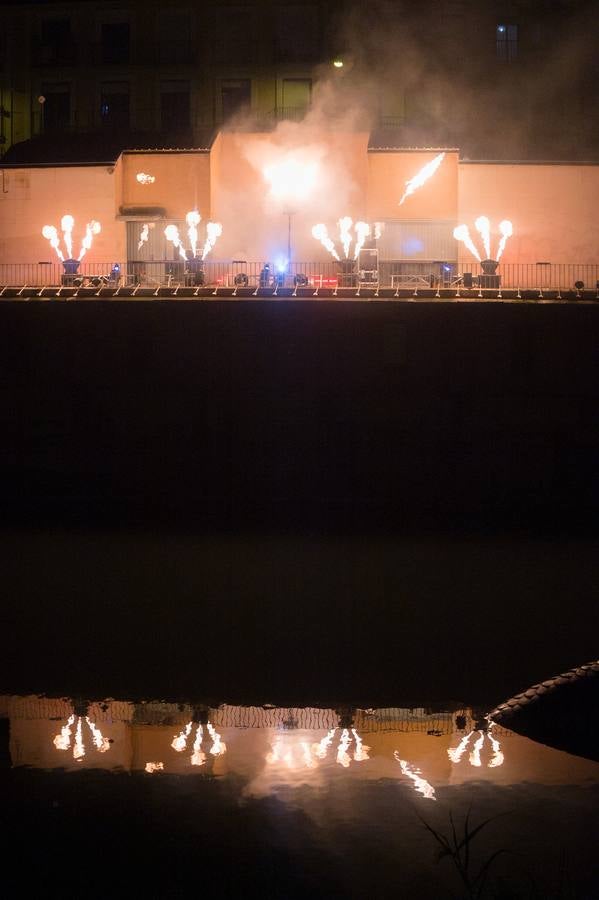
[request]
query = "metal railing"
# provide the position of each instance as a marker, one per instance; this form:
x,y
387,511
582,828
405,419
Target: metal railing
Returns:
x,y
166,273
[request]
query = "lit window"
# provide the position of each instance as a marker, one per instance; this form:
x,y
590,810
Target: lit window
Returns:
x,y
507,42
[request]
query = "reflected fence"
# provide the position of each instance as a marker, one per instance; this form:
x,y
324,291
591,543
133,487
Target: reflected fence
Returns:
x,y
328,274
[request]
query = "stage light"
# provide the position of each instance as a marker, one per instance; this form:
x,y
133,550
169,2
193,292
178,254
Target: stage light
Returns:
x,y
300,280
579,285
241,280
338,62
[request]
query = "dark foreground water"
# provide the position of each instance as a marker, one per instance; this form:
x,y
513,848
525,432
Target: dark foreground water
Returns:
x,y
117,798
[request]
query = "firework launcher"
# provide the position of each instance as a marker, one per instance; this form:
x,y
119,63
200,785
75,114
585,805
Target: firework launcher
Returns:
x,y
489,278
194,272
348,275
71,269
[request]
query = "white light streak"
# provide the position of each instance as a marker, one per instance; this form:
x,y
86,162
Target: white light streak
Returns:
x,y
421,785
102,743
78,749
198,758
423,175
218,747
179,742
62,741
483,226
474,756
66,223
461,233
362,230
455,753
320,749
498,757
213,232
171,233
144,234
507,229
361,751
343,757
321,234
345,236
92,228
51,234
193,219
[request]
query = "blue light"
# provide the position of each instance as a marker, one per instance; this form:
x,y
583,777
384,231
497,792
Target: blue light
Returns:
x,y
412,245
281,265
501,28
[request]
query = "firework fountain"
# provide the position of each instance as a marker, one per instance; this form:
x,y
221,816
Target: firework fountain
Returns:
x,y
193,219
461,233
67,223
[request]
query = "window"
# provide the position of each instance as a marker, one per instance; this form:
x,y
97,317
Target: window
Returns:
x,y
56,110
114,104
296,97
175,104
507,42
115,42
56,43
235,96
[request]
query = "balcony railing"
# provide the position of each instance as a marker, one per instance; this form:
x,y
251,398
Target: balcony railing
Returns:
x,y
551,277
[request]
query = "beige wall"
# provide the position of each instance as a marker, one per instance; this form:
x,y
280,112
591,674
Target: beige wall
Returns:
x,y
388,172
553,209
182,182
34,197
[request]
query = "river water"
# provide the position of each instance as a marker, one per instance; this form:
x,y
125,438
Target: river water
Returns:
x,y
175,799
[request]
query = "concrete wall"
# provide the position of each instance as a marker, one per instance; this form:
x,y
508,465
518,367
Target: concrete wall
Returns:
x,y
34,197
388,172
182,182
553,209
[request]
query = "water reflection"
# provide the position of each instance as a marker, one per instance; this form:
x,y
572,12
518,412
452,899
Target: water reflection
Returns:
x,y
272,747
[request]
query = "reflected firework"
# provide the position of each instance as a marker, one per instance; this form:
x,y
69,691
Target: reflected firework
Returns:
x,y
474,756
62,741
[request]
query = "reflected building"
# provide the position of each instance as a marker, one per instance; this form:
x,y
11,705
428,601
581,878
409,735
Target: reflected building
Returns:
x,y
267,749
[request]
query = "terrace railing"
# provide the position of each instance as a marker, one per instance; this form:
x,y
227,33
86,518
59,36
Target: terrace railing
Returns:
x,y
535,276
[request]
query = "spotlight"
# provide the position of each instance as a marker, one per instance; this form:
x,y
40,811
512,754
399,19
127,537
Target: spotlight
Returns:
x,y
300,280
338,62
241,280
579,285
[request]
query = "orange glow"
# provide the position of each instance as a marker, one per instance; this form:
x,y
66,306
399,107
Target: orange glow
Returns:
x,y
62,741
289,179
455,753
152,767
474,756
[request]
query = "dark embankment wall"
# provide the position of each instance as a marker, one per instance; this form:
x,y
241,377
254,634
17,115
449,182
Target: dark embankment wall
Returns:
x,y
319,501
